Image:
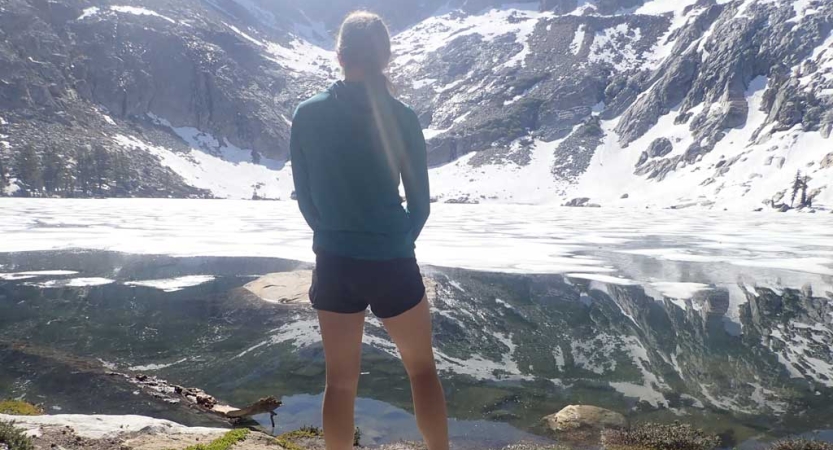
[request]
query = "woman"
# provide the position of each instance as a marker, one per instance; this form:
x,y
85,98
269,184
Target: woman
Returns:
x,y
350,146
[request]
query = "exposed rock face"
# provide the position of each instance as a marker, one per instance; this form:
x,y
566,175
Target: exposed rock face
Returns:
x,y
518,86
545,95
188,68
659,148
573,155
698,74
827,162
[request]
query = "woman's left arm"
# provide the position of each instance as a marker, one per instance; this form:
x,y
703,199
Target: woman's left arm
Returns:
x,y
415,176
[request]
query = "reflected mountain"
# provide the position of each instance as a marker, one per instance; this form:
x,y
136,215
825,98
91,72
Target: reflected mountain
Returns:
x,y
737,359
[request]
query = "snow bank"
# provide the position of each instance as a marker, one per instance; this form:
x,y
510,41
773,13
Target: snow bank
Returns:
x,y
220,167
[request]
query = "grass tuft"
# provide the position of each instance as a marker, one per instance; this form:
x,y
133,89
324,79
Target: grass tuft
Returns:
x,y
225,442
285,440
19,408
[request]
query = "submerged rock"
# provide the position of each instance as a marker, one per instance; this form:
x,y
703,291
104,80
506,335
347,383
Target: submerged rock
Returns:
x,y
283,287
292,288
583,423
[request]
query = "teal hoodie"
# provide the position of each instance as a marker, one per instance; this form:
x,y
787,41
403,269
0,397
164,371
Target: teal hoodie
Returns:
x,y
350,146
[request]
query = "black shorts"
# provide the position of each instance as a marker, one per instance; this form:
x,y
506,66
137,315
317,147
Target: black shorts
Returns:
x,y
348,286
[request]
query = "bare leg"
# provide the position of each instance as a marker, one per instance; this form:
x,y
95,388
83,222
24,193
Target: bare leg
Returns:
x,y
342,335
412,334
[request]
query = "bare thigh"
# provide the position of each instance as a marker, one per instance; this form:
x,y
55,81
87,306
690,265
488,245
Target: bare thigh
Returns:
x,y
412,334
342,336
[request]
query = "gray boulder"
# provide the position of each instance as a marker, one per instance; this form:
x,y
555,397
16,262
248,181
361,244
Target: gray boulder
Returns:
x,y
660,147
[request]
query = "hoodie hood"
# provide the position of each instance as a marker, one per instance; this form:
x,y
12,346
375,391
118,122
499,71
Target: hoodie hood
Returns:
x,y
359,97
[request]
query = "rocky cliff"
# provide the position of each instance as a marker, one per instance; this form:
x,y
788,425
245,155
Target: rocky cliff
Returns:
x,y
722,103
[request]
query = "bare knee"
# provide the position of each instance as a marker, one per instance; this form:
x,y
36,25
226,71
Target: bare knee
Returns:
x,y
342,383
424,372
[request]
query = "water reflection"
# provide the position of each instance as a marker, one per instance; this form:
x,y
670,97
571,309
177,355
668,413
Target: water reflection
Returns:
x,y
741,358
381,423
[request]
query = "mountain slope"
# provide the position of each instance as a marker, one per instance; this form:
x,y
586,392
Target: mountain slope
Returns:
x,y
708,103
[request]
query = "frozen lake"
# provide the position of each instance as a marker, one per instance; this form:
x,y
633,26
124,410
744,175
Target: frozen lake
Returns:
x,y
653,248
502,238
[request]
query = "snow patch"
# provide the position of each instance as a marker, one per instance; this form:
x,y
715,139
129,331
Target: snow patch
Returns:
x,y
578,39
35,274
607,279
138,12
173,284
678,290
74,283
155,367
614,46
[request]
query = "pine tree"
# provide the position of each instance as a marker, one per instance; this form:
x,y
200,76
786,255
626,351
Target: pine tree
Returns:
x,y
122,176
255,157
54,171
101,167
805,184
27,167
69,185
84,170
796,187
4,175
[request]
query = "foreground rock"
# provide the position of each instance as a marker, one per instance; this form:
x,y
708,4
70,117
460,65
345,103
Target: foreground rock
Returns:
x,y
80,432
292,288
583,424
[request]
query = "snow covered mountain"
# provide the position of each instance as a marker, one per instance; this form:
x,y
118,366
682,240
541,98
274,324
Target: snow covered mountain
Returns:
x,y
633,103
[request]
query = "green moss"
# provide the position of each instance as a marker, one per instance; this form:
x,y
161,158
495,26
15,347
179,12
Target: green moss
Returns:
x,y
14,438
226,442
653,436
801,444
18,408
286,440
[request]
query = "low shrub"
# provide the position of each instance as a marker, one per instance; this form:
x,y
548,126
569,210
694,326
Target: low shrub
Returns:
x,y
14,438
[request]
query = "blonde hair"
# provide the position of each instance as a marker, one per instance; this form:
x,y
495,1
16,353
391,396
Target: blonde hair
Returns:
x,y
364,43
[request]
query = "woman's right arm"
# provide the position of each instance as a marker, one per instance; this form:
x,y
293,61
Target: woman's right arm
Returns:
x,y
300,174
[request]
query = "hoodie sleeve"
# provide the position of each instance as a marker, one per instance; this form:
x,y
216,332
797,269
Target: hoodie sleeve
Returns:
x,y
300,173
415,175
